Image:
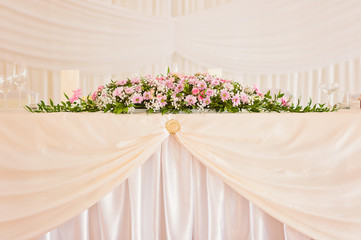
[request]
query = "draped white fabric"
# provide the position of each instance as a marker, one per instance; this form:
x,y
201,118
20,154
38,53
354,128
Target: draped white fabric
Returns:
x,y
37,186
296,167
279,44
85,35
259,37
271,37
173,196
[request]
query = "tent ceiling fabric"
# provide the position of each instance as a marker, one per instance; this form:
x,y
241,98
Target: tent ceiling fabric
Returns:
x,y
241,36
91,36
272,36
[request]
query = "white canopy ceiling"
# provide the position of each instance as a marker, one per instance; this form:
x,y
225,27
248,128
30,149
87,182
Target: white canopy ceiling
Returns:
x,y
241,36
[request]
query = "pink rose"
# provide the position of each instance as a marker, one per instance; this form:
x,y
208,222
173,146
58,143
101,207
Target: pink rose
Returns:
x,y
195,91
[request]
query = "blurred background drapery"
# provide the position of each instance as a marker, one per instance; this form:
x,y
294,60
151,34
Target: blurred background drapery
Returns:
x,y
280,44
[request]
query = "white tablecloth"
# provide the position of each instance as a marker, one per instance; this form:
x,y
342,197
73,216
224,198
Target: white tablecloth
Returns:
x,y
303,169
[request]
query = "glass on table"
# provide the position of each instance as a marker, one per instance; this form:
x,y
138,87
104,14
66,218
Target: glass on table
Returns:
x,y
19,75
344,99
329,89
33,99
6,84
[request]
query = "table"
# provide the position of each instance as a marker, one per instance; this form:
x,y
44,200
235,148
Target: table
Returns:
x,y
302,169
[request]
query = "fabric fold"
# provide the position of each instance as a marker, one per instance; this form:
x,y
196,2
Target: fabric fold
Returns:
x,y
302,169
58,165
295,167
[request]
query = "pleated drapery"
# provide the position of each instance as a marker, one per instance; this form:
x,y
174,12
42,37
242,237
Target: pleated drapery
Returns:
x,y
295,167
173,196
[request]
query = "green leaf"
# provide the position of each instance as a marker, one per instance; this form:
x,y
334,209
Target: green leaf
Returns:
x,y
28,108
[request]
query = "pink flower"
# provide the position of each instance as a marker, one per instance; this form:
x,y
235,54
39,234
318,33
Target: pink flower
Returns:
x,y
76,96
228,86
244,98
135,80
169,83
215,82
236,100
118,92
202,85
255,87
162,99
147,95
138,88
225,95
191,100
129,90
284,101
206,101
179,88
200,98
193,80
121,82
137,98
195,91
95,95
100,88
209,92
208,79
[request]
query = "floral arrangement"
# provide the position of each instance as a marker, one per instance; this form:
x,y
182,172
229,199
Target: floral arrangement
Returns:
x,y
174,93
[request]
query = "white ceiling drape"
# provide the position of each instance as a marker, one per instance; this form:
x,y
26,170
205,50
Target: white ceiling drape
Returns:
x,y
280,36
86,35
284,44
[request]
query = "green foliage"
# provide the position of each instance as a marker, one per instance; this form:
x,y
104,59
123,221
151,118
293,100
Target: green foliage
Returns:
x,y
123,105
84,105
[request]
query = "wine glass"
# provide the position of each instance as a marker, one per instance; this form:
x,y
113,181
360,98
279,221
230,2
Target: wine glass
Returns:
x,y
5,87
19,76
329,89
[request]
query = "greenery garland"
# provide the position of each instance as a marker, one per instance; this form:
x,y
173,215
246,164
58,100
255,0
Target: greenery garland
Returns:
x,y
178,93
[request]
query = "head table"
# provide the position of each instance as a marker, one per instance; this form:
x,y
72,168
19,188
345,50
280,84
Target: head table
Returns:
x,y
217,176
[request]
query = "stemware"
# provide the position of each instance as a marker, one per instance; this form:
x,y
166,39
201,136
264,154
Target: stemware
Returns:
x,y
5,87
19,76
329,89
